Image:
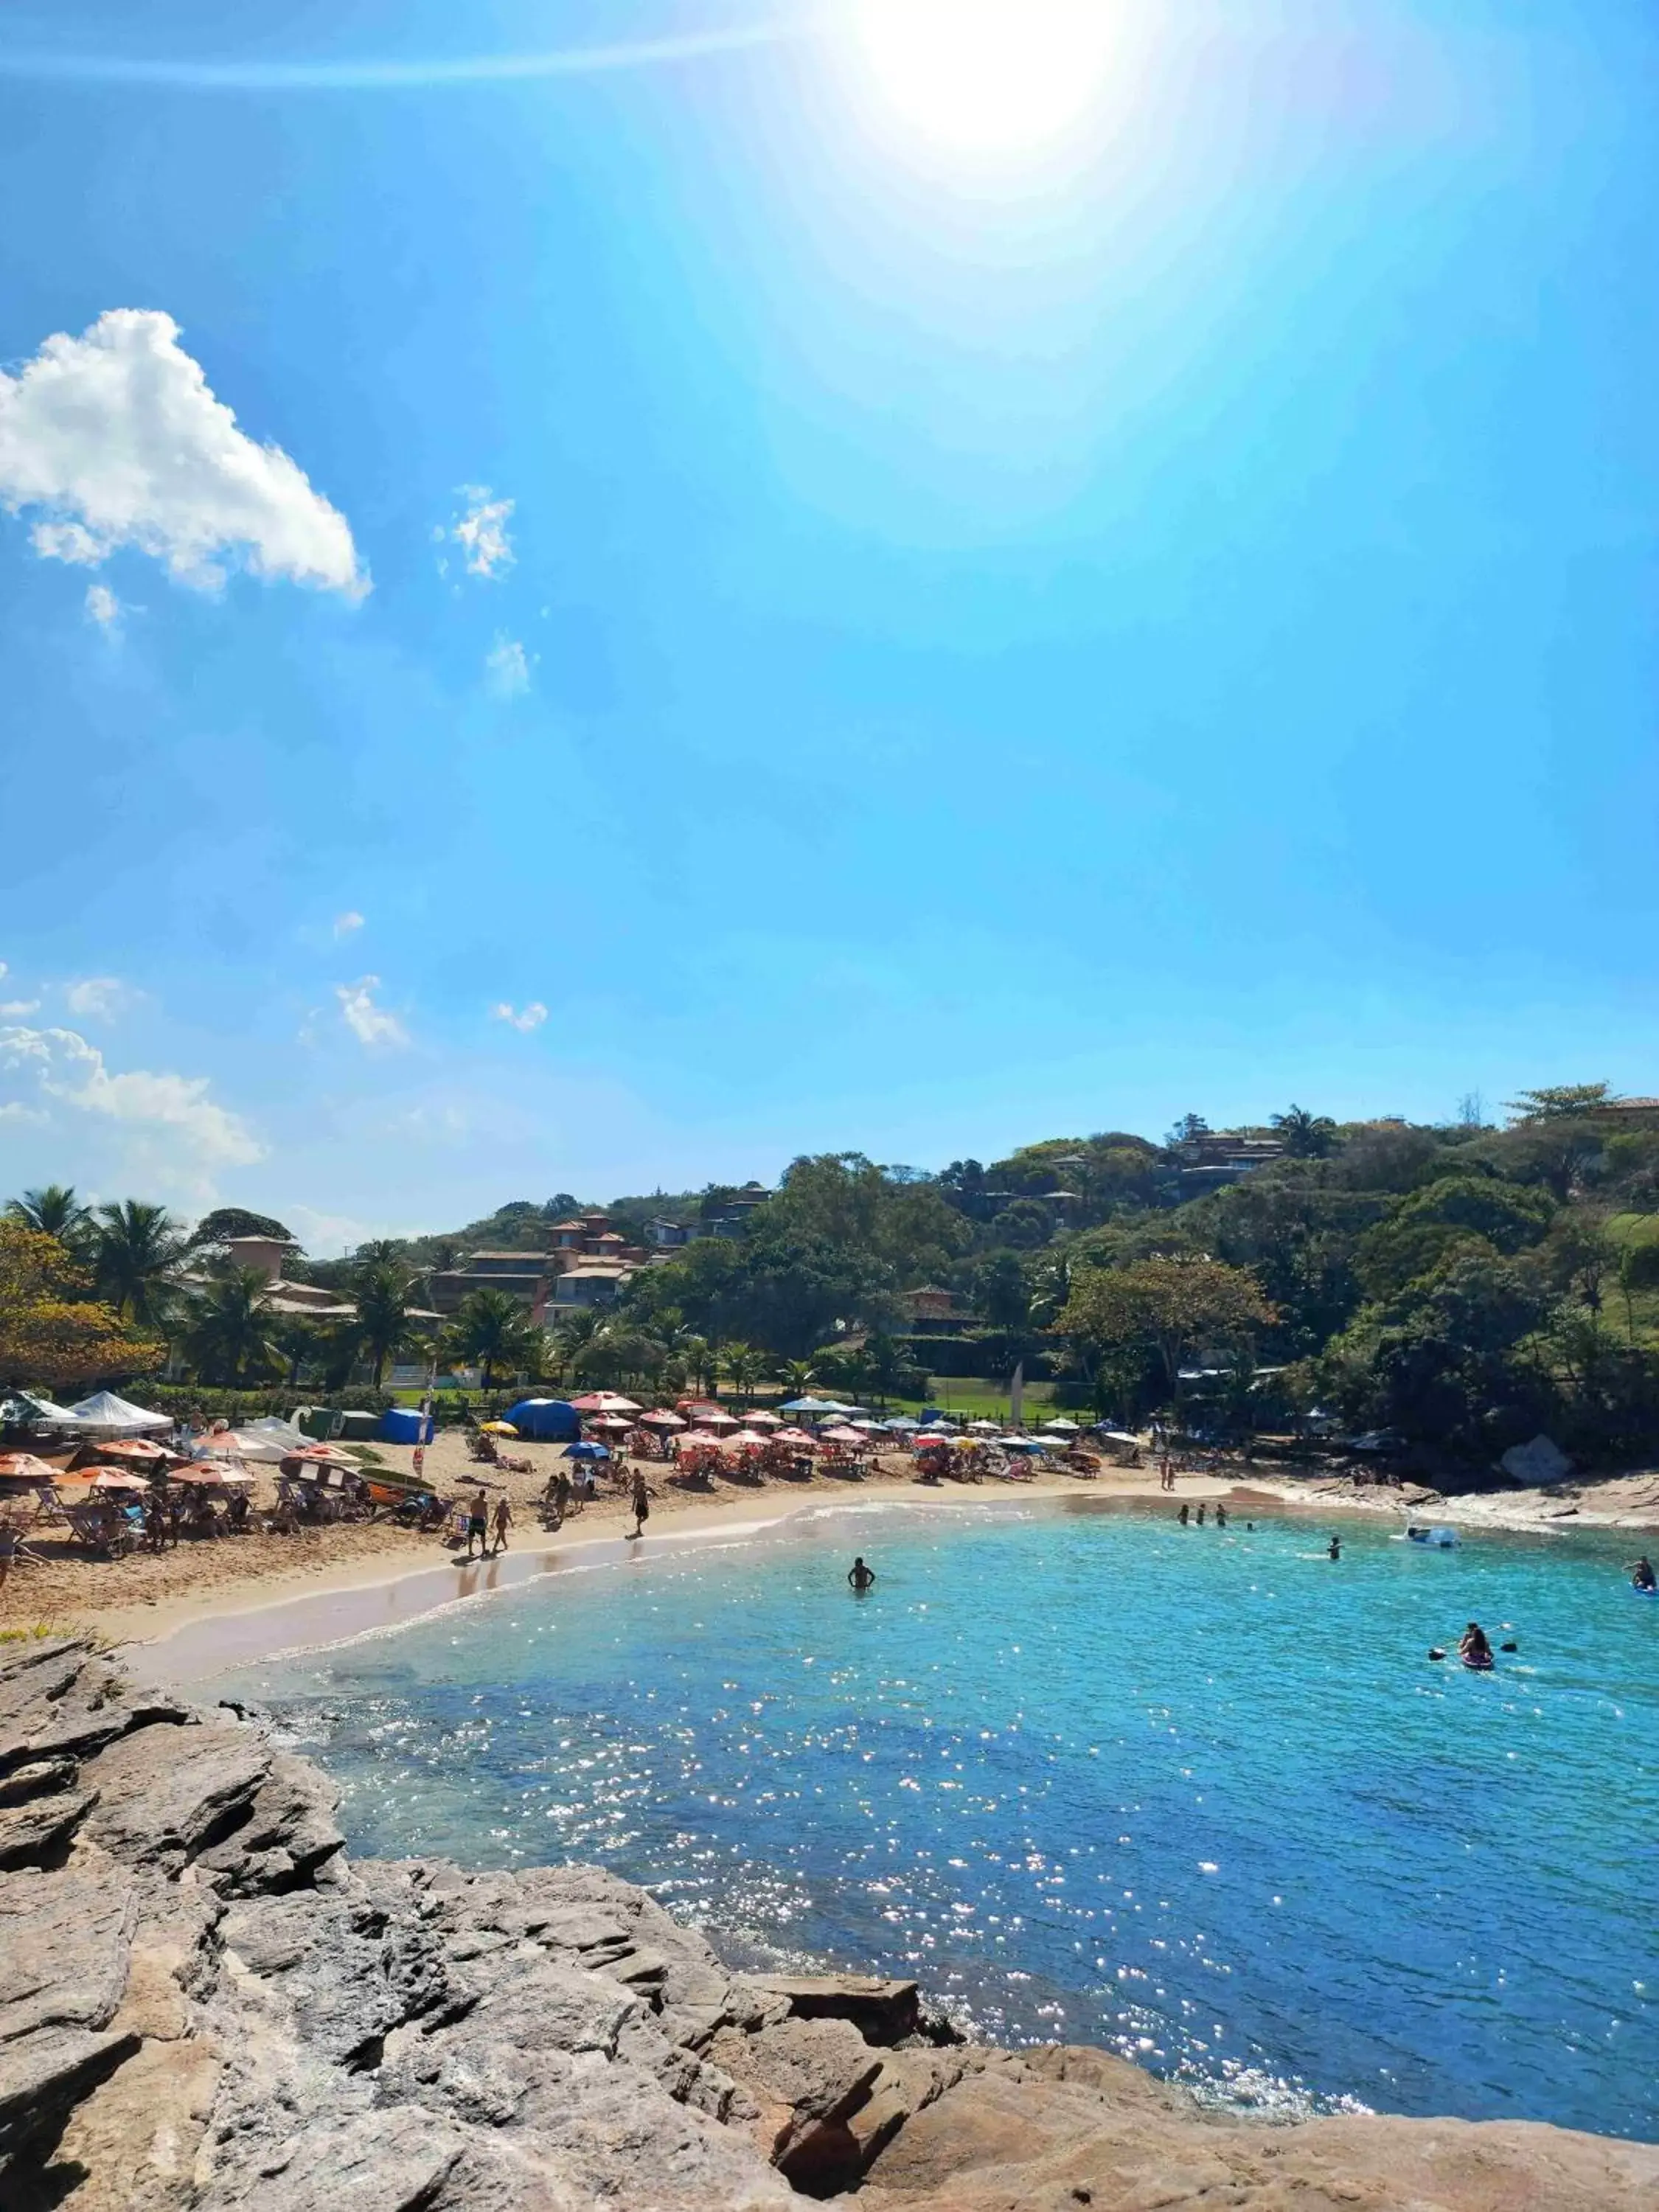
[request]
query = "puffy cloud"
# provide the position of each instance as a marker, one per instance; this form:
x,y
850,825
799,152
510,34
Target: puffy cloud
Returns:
x,y
98,998
480,530
531,1016
369,1023
114,440
103,607
47,1069
508,667
346,925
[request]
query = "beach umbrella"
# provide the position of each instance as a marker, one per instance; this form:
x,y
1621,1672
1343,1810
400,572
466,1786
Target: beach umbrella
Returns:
x,y
496,1429
797,1439
604,1401
134,1448
24,1467
586,1451
718,1418
933,1440
878,1428
764,1420
1116,1436
609,1421
1020,1443
744,1440
843,1436
239,1443
660,1420
982,1428
812,1406
1060,1428
213,1478
901,1425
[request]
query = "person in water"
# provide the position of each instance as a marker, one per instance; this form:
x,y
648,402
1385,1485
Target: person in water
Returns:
x,y
1642,1576
1473,1648
1200,1512
1333,1550
860,1576
1220,1516
1182,1515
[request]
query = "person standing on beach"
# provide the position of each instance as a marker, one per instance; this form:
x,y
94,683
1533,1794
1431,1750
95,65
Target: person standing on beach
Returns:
x,y
503,1522
478,1527
641,1501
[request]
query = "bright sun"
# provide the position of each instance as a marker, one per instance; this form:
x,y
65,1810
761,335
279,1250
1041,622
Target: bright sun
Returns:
x,y
989,77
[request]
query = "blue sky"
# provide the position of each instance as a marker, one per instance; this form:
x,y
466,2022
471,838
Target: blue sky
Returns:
x,y
944,652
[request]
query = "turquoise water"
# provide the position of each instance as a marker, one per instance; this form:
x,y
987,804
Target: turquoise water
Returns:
x,y
1198,1797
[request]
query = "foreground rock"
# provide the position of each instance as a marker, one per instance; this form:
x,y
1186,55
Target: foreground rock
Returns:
x,y
203,2006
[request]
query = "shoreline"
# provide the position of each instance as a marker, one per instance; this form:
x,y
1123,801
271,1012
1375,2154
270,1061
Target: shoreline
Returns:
x,y
191,1638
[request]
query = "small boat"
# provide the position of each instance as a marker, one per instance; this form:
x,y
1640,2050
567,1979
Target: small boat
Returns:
x,y
1437,1540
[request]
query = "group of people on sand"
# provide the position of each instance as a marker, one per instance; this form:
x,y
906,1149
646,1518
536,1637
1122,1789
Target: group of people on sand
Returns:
x,y
488,1531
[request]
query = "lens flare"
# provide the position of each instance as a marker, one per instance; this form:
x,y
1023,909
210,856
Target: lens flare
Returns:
x,y
995,77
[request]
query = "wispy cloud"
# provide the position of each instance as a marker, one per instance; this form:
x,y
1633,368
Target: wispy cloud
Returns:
x,y
508,667
103,607
188,1136
114,440
100,998
347,924
16,1005
480,530
523,1019
369,1023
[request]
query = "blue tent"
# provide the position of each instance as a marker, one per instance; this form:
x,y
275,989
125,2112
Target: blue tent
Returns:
x,y
545,1420
402,1425
587,1451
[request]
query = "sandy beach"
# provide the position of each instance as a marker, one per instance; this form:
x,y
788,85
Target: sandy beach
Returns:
x,y
322,1576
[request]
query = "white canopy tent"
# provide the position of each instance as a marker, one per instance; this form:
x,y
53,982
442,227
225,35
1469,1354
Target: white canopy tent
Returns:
x,y
116,1417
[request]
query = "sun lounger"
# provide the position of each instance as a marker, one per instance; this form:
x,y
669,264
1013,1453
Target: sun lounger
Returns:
x,y
99,1529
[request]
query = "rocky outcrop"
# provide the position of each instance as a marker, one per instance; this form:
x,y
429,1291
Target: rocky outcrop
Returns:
x,y
203,2006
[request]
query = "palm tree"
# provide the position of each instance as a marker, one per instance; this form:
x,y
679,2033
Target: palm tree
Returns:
x,y
573,1333
297,1339
381,1292
1307,1136
744,1366
135,1254
797,1377
55,1211
228,1337
493,1328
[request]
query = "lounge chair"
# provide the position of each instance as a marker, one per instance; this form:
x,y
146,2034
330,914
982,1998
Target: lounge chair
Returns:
x,y
99,1529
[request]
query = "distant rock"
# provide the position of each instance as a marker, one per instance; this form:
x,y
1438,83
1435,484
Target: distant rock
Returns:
x,y
204,2007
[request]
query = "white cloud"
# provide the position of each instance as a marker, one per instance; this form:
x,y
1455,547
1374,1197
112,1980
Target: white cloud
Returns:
x,y
481,532
532,1017
369,1023
114,440
508,667
103,607
98,998
19,1005
48,1068
346,923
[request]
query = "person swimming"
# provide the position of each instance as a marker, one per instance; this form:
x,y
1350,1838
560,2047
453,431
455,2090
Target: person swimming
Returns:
x,y
1184,1513
1642,1576
1334,1549
1474,1649
860,1576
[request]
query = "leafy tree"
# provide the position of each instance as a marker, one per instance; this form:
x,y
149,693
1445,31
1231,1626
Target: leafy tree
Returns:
x,y
1026,1224
1168,1306
844,1201
1307,1136
798,1376
1000,1291
51,1334
494,1329
137,1252
55,1211
229,1336
298,1339
1422,1229
227,1221
1188,1129
1558,1102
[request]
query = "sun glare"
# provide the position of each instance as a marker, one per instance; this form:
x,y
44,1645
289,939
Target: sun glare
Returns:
x,y
994,77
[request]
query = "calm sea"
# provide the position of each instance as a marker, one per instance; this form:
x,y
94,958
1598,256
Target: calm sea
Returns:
x,y
1197,1796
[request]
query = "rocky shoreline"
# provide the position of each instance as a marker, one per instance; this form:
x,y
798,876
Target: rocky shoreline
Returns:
x,y
204,2005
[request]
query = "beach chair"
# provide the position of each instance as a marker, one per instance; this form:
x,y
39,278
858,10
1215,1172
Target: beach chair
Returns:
x,y
48,1505
98,1530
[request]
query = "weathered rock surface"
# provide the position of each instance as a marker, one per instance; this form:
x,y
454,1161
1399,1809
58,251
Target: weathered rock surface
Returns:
x,y
204,2007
